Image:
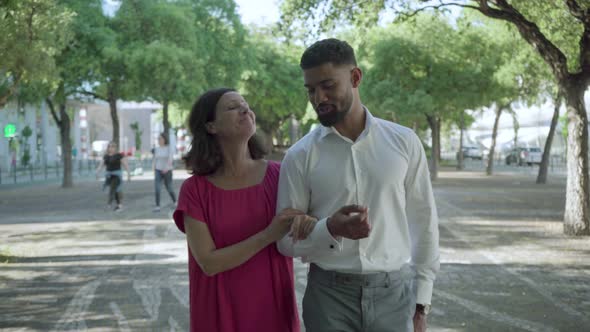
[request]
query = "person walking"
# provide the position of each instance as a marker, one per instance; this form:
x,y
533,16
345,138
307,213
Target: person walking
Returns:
x,y
367,181
163,165
238,280
114,161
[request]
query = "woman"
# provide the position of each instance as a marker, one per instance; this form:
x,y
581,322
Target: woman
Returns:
x,y
113,160
162,166
239,282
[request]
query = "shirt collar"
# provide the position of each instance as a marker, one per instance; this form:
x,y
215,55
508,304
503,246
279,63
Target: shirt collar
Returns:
x,y
325,131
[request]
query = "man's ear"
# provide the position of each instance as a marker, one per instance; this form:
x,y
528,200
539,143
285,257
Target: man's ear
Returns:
x,y
210,126
356,75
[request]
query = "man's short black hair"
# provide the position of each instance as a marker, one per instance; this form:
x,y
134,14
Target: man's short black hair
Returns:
x,y
338,52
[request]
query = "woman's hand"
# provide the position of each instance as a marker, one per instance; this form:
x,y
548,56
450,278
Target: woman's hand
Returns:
x,y
302,226
279,227
281,224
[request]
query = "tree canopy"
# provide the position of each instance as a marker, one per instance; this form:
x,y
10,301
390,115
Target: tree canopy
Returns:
x,y
33,32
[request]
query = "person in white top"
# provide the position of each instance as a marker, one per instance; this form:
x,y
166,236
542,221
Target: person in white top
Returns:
x,y
163,165
374,251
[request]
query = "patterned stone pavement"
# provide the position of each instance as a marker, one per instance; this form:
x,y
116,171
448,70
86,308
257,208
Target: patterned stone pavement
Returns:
x,y
68,264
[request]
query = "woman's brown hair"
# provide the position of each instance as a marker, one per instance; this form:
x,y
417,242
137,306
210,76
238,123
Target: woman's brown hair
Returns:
x,y
204,156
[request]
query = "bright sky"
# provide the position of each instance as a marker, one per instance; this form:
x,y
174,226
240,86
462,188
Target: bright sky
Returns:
x,y
260,12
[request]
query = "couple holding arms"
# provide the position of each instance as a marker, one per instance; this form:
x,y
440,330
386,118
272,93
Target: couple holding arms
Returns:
x,y
353,198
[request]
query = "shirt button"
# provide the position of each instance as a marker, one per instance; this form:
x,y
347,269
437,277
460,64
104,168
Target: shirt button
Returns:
x,y
331,246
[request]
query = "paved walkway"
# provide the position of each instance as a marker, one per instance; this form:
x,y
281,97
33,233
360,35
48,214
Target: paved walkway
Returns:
x,y
69,264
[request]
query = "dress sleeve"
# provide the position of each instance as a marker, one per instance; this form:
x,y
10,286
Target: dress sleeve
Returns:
x,y
189,203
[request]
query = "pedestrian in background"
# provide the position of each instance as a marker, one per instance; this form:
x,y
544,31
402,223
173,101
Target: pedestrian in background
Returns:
x,y
114,161
163,165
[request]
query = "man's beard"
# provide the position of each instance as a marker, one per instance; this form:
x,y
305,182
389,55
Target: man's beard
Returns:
x,y
334,117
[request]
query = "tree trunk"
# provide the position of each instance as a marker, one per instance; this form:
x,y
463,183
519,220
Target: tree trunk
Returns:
x,y
438,126
112,99
542,176
66,146
165,118
516,126
460,164
490,167
63,122
265,138
577,200
434,124
394,117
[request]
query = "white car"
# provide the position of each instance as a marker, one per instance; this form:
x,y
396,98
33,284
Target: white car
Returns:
x,y
524,156
472,152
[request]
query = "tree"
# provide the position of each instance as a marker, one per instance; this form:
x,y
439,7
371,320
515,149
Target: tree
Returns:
x,y
272,84
404,75
75,64
178,49
543,168
111,79
552,28
137,132
521,77
32,33
25,134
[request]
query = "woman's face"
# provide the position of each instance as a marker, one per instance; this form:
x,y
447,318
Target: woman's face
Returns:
x,y
233,118
112,148
161,140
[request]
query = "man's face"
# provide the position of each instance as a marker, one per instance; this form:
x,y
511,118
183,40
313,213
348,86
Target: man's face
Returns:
x,y
329,89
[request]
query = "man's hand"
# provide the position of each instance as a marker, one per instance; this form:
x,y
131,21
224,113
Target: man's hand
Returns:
x,y
351,222
419,322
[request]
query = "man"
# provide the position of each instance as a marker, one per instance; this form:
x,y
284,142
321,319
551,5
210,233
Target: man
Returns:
x,y
367,182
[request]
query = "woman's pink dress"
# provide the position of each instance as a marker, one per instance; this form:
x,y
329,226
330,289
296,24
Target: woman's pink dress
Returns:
x,y
257,296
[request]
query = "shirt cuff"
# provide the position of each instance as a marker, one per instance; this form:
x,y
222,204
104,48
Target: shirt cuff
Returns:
x,y
423,291
322,235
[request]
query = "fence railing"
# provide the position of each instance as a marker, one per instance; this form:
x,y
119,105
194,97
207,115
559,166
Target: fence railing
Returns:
x,y
52,171
557,164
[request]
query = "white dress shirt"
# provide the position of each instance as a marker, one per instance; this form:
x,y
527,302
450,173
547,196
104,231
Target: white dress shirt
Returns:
x,y
386,170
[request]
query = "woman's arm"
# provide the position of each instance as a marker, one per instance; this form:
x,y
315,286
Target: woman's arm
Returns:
x,y
126,167
213,260
170,159
100,166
